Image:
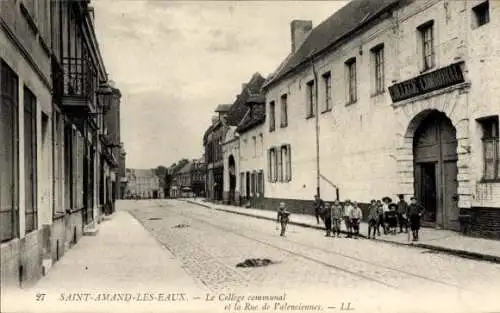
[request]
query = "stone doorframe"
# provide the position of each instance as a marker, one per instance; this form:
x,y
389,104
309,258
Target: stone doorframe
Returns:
x,y
453,102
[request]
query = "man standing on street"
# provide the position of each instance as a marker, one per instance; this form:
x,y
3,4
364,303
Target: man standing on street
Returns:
x,y
327,218
347,217
319,205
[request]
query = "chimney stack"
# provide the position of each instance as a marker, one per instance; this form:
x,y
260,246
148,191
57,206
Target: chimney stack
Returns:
x,y
215,118
300,30
243,86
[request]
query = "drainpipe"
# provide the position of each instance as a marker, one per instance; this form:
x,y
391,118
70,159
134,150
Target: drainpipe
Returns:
x,y
317,124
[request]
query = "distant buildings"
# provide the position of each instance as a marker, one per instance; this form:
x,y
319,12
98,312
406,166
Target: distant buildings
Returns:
x,y
143,184
189,181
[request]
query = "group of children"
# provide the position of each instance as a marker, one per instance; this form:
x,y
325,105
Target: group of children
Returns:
x,y
382,214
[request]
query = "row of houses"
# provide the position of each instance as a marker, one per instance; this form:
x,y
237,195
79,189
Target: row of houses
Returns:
x,y
62,161
385,97
189,181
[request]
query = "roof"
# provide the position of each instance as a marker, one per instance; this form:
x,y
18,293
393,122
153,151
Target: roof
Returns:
x,y
222,108
256,113
341,24
239,108
141,173
186,168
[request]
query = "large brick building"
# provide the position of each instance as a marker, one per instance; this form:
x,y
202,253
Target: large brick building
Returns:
x,y
403,97
54,96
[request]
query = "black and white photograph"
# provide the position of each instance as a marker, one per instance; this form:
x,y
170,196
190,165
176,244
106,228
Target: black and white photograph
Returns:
x,y
249,156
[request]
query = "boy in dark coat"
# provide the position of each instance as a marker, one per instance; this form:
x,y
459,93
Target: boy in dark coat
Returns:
x,y
327,218
373,216
415,212
283,217
319,206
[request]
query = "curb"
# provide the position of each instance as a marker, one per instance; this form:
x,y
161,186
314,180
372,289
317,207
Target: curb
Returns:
x,y
460,253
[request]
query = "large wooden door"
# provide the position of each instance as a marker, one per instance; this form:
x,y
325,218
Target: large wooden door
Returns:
x,y
435,158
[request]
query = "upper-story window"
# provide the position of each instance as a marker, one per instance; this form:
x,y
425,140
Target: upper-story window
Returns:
x,y
351,81
327,82
272,116
491,153
427,41
284,111
272,165
254,140
311,99
378,68
482,13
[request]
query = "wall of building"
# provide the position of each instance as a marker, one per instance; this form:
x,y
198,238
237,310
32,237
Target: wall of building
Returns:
x,y
366,146
253,156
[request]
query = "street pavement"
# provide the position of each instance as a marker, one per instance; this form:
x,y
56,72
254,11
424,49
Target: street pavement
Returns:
x,y
431,238
174,247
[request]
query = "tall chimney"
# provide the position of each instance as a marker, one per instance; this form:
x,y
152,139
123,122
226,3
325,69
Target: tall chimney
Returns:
x,y
300,30
243,86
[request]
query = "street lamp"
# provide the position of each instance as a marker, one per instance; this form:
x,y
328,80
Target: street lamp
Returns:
x,y
104,93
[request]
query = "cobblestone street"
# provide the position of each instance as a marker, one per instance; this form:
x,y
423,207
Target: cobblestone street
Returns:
x,y
211,243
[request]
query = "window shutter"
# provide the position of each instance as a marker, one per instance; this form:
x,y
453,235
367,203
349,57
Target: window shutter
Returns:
x,y
289,148
269,166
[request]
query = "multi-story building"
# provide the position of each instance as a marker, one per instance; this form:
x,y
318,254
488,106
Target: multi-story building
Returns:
x,y
219,185
51,63
143,184
244,155
198,177
400,96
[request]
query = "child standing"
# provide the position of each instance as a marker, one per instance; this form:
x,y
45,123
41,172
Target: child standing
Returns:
x,y
347,217
373,216
337,212
283,218
415,212
402,219
356,217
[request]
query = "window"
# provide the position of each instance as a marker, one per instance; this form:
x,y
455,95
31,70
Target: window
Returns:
x,y
30,160
287,165
378,69
279,157
9,154
311,99
272,116
272,164
254,139
491,152
327,81
482,14
261,144
260,180
284,111
351,83
58,163
242,184
427,35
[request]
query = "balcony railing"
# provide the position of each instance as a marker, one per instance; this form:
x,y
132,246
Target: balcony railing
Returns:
x,y
79,80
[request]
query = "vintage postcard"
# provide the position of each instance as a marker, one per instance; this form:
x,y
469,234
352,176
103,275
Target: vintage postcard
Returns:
x,y
250,156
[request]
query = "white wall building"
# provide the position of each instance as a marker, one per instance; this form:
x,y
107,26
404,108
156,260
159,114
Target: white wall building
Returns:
x,y
406,104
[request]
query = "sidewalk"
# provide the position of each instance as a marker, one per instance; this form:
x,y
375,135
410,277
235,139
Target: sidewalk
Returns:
x,y
123,258
433,239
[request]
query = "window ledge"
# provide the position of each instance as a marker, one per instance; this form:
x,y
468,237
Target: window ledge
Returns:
x,y
309,116
325,111
284,125
490,181
430,69
351,103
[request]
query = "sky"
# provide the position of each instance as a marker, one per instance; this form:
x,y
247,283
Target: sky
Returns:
x,y
174,62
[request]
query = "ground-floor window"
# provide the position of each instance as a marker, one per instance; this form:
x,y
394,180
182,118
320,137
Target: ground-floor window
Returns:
x,y
491,154
30,160
9,154
58,163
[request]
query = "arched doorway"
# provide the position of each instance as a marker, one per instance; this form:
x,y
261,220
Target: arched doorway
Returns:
x,y
435,169
232,178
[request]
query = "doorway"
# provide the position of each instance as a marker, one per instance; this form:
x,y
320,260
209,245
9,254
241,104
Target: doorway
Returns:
x,y
435,170
232,179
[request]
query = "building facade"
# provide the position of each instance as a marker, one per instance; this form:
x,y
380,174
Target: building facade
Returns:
x,y
143,184
54,94
399,101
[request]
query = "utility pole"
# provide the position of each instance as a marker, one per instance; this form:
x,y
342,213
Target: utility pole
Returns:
x,y
316,115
